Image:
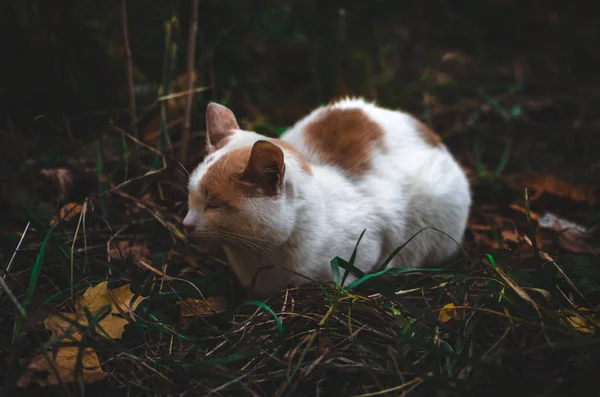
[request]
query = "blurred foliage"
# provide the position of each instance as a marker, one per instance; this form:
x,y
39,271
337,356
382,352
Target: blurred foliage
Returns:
x,y
67,56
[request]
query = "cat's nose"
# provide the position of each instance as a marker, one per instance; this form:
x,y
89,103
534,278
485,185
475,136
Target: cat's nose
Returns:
x,y
189,222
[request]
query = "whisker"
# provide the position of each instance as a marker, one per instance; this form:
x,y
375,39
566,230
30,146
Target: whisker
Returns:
x,y
182,166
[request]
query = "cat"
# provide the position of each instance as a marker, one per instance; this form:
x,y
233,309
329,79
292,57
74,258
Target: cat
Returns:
x,y
283,208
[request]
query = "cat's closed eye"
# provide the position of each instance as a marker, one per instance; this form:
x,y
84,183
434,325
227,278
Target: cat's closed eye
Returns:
x,y
213,206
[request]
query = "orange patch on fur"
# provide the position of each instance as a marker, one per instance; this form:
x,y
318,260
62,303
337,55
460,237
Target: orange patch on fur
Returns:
x,y
430,137
287,146
238,174
345,137
221,179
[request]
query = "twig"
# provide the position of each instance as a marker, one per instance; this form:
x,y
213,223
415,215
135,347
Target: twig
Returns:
x,y
14,254
132,110
185,134
148,173
81,216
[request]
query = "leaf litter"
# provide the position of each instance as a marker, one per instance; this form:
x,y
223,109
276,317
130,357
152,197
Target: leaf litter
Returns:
x,y
61,365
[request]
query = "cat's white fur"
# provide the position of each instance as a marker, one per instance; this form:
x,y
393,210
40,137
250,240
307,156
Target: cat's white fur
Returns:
x,y
411,185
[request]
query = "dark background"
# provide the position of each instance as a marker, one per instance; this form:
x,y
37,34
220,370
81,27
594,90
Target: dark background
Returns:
x,y
512,87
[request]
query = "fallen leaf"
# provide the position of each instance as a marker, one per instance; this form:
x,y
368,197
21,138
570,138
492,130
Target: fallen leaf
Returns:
x,y
551,184
190,309
59,325
95,299
64,326
200,307
448,313
579,323
67,212
120,301
123,249
65,363
532,214
510,236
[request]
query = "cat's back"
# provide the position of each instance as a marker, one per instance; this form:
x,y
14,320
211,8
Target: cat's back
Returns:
x,y
355,136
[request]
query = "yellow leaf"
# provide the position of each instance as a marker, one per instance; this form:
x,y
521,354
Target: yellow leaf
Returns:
x,y
68,212
95,299
59,325
65,363
200,307
581,324
448,313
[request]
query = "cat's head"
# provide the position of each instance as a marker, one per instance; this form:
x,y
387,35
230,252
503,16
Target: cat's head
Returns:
x,y
238,193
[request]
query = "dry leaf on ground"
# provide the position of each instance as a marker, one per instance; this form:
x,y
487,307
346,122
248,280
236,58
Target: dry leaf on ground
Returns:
x,y
190,309
120,301
200,307
95,299
448,313
538,184
124,249
68,212
579,323
65,363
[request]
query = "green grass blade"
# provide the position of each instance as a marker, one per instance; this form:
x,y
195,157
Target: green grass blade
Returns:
x,y
268,309
353,257
39,260
394,271
504,159
35,275
229,359
335,269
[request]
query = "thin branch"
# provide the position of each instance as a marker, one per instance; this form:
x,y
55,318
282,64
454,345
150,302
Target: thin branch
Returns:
x,y
12,258
132,110
185,135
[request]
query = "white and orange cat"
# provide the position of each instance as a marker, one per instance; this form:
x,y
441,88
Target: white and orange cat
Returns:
x,y
289,206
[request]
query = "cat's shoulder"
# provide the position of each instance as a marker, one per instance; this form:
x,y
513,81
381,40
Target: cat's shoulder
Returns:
x,y
349,131
344,134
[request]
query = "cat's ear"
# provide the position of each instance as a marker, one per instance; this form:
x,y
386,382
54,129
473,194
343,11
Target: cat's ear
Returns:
x,y
220,122
265,169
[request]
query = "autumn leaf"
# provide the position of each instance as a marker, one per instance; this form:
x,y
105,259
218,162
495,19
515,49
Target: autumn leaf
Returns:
x,y
65,363
67,212
551,184
190,308
96,298
448,313
63,326
200,307
579,323
124,249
